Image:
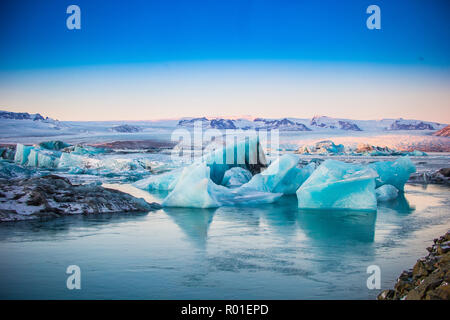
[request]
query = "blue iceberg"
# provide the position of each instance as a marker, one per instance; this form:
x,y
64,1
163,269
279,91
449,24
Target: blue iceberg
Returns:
x,y
247,153
395,173
164,181
282,176
339,185
54,145
22,153
43,158
195,189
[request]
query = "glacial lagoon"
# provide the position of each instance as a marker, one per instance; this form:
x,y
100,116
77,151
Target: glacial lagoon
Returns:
x,y
271,251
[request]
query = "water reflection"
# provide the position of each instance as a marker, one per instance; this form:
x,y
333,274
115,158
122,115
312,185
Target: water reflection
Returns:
x,y
338,226
399,205
60,227
193,222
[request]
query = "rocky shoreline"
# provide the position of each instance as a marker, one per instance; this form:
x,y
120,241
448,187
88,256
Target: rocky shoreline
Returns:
x,y
429,278
53,196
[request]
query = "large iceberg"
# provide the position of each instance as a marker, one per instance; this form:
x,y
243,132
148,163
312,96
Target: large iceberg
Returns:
x,y
395,173
339,185
282,176
195,189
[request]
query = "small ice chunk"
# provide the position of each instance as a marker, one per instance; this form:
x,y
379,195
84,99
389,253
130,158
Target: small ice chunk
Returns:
x,y
395,172
339,185
236,177
386,192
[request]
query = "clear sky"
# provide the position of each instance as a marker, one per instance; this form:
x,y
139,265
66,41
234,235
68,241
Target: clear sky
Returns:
x,y
140,60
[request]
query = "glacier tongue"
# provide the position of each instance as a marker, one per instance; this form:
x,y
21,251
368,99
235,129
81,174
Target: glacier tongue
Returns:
x,y
339,185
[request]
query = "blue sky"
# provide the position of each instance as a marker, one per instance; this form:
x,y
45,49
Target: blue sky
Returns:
x,y
171,42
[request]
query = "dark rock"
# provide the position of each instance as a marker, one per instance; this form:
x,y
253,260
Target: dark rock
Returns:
x,y
52,195
429,278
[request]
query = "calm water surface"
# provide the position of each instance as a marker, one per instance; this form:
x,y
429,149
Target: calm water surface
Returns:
x,y
266,252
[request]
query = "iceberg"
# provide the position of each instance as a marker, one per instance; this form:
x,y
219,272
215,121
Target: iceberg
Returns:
x,y
195,189
42,158
84,150
22,153
247,153
322,147
236,177
395,173
164,181
54,145
282,176
339,185
386,192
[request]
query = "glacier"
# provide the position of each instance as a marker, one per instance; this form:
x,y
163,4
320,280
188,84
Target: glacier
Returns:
x,y
338,185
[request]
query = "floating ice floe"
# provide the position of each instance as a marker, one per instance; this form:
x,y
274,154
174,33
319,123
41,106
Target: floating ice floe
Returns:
x,y
339,185
395,172
282,176
386,192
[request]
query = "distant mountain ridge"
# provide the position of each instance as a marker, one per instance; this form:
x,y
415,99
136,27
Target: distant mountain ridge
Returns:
x,y
21,116
317,123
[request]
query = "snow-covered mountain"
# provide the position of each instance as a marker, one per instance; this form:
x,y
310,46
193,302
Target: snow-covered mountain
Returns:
x,y
317,123
282,124
402,124
445,132
332,123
